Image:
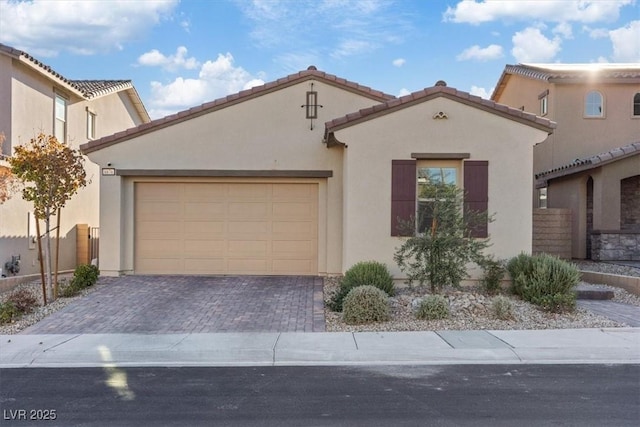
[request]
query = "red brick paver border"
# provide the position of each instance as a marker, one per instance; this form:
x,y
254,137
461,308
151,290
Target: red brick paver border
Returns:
x,y
193,304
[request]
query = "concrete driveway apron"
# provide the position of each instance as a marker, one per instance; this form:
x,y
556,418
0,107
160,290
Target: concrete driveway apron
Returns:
x,y
192,304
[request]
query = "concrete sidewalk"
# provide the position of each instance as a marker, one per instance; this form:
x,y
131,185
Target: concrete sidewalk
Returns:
x,y
558,346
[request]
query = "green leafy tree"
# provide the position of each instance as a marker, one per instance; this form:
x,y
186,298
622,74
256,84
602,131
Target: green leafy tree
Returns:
x,y
440,242
52,172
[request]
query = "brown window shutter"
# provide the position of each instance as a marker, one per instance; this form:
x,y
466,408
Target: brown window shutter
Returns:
x,y
403,194
476,192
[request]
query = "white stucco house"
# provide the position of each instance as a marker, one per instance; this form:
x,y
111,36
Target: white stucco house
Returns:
x,y
306,175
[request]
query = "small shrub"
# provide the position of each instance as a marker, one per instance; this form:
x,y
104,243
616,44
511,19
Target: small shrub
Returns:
x,y
544,280
69,290
433,307
23,300
365,304
493,273
8,312
85,275
370,273
502,308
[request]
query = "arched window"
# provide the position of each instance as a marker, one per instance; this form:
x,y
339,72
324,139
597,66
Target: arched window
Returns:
x,y
636,104
593,106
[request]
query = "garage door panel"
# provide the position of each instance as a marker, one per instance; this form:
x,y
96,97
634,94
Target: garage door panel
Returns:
x,y
201,247
239,227
200,192
204,227
248,265
299,229
249,191
226,228
297,248
206,265
249,210
204,210
155,227
293,210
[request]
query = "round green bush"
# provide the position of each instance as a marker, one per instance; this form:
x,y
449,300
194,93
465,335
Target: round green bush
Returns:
x,y
85,275
502,308
8,312
544,280
365,304
433,307
370,273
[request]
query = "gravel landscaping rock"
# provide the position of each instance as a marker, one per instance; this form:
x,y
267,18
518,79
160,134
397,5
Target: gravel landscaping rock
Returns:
x,y
470,308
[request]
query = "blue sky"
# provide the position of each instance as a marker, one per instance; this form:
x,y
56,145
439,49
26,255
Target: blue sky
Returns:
x,y
183,53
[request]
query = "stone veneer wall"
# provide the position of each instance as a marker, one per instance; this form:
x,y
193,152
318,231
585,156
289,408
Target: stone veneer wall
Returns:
x,y
552,232
621,245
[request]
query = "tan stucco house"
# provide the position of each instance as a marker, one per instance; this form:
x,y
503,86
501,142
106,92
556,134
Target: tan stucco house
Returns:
x,y
33,99
591,163
305,175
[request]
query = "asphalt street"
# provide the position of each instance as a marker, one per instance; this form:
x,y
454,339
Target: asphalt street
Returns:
x,y
447,395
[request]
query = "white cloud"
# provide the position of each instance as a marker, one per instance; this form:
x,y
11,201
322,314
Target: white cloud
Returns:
x,y
564,29
338,28
399,62
478,53
477,12
216,79
626,42
404,91
530,45
352,47
596,33
83,27
481,92
154,58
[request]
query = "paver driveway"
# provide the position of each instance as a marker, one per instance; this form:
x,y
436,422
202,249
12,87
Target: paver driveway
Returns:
x,y
185,304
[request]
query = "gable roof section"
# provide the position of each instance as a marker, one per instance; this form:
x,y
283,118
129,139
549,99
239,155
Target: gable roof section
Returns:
x,y
426,95
587,163
310,73
570,73
86,89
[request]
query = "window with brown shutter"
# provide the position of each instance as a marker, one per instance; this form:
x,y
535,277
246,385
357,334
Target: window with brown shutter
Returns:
x,y
476,196
403,195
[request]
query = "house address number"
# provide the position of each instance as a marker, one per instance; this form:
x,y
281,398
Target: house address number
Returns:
x,y
108,171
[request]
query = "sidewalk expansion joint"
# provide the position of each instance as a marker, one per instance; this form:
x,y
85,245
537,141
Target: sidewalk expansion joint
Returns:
x,y
275,345
353,335
60,343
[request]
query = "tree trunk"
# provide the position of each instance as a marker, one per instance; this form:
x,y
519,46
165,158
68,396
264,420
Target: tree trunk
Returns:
x,y
47,254
55,277
44,284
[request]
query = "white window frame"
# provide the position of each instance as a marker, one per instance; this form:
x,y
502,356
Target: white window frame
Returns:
x,y
60,117
633,105
544,103
443,164
91,124
588,103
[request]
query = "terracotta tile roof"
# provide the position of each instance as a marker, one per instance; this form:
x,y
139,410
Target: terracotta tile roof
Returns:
x,y
85,88
570,73
310,73
580,165
431,93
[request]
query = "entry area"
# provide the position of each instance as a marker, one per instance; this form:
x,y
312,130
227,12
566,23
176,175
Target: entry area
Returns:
x,y
226,228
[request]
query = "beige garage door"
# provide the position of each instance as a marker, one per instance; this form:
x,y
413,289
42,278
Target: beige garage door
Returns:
x,y
226,228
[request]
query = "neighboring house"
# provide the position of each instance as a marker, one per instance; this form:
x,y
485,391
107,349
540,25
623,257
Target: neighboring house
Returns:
x,y
33,99
258,185
591,163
